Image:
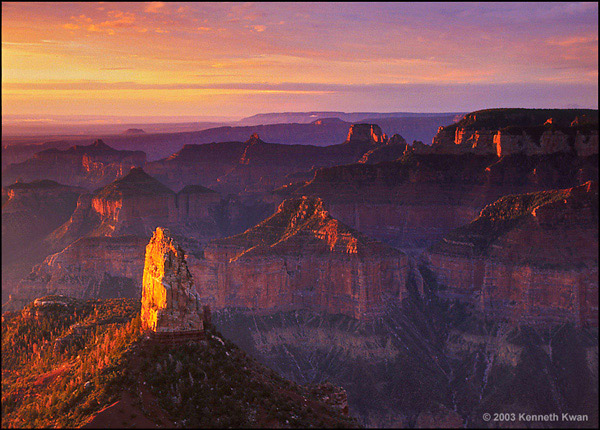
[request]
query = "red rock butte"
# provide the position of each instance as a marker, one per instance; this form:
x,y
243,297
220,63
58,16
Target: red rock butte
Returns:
x,y
302,258
170,304
516,260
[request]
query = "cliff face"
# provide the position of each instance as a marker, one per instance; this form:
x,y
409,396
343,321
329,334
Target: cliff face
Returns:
x,y
30,211
136,204
87,166
104,238
394,149
427,361
169,301
521,131
257,166
91,267
531,257
366,133
415,200
301,258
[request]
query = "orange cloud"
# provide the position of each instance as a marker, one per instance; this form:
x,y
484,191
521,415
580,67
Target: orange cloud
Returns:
x,y
573,41
125,19
154,7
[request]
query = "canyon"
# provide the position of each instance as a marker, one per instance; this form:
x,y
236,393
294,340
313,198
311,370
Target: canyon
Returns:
x,y
434,283
98,250
301,258
85,166
31,211
255,166
413,201
162,140
526,258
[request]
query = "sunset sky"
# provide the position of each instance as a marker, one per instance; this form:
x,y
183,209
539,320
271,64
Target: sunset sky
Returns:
x,y
239,59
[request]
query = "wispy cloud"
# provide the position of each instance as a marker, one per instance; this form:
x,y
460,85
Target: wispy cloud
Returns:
x,y
155,7
336,50
575,41
294,87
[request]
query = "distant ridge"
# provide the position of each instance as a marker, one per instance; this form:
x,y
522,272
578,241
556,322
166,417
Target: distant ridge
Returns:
x,y
308,117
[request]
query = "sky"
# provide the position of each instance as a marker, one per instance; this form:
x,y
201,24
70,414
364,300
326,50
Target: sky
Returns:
x,y
226,60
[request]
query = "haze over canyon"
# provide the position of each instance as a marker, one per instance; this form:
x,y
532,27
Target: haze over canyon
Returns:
x,y
290,215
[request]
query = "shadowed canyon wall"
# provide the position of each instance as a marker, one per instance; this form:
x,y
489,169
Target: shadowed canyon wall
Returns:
x,y
527,258
301,258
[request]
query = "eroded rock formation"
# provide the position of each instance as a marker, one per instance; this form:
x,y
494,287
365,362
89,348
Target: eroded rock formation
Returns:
x,y
88,166
521,131
415,200
527,258
301,257
31,211
257,166
98,252
137,203
91,267
169,300
366,133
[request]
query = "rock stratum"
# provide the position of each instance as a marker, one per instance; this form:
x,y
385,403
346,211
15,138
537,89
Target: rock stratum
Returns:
x,y
258,166
526,258
500,316
98,252
301,257
31,211
415,200
521,131
88,166
170,302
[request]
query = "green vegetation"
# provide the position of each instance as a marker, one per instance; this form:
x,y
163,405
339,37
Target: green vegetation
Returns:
x,y
218,385
64,360
44,385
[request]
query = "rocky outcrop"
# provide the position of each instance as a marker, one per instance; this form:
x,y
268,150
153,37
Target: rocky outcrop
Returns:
x,y
586,144
169,300
394,148
521,131
415,200
87,166
301,257
195,202
527,258
99,251
31,211
91,267
505,143
419,147
366,133
136,204
256,166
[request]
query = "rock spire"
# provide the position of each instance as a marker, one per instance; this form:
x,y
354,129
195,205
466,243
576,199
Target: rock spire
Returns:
x,y
169,300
